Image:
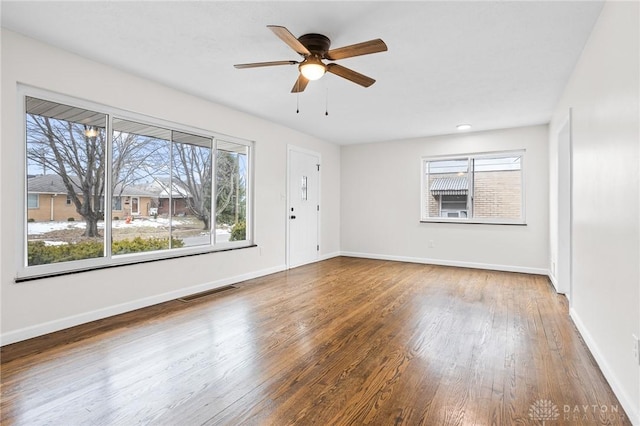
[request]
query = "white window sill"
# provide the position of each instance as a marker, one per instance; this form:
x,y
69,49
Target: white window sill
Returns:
x,y
473,221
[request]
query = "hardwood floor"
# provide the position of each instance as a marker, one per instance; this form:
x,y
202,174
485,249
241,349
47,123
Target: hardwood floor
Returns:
x,y
344,341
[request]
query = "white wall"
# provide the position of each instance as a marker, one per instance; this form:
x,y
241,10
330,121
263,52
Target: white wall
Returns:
x,y
381,204
603,96
36,307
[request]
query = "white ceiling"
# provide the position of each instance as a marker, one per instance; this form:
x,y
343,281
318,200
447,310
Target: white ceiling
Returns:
x,y
494,64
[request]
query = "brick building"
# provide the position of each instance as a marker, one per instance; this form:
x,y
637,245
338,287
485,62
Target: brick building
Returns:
x,y
47,200
498,194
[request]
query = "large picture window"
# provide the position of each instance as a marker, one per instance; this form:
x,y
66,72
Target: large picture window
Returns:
x,y
174,191
479,188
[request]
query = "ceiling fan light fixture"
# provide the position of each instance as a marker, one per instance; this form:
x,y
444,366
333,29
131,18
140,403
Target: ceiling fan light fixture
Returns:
x,y
312,68
91,132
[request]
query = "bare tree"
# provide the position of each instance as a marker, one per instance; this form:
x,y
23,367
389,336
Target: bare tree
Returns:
x,y
75,154
69,150
192,174
128,157
136,158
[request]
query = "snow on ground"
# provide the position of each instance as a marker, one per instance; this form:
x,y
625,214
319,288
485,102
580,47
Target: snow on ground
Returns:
x,y
55,243
39,228
146,223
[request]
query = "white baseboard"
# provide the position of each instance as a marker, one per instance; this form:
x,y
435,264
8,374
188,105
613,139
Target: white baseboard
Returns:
x,y
320,258
71,321
493,267
633,411
329,255
553,280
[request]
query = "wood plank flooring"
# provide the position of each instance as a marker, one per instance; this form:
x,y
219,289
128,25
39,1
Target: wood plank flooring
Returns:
x,y
341,342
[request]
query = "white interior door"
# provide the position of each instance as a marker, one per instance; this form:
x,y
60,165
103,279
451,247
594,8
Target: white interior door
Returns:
x,y
303,207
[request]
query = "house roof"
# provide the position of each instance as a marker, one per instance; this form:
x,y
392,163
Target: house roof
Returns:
x,y
160,186
449,186
53,184
48,184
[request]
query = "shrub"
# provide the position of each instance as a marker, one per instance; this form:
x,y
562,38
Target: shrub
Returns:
x,y
71,219
239,232
31,220
139,244
41,254
116,218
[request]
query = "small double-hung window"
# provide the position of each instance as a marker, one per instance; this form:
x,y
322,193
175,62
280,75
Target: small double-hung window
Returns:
x,y
478,188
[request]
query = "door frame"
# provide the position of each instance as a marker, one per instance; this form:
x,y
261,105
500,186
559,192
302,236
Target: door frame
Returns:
x,y
565,218
291,148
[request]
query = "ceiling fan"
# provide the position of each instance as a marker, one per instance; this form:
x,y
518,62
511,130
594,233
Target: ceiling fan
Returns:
x,y
314,48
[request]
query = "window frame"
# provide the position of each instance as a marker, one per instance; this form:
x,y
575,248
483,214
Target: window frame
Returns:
x,y
26,272
471,219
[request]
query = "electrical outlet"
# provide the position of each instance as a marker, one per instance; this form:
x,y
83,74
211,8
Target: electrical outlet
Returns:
x,y
431,244
636,348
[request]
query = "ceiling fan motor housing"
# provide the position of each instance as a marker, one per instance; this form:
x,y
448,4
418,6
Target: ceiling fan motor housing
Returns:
x,y
315,43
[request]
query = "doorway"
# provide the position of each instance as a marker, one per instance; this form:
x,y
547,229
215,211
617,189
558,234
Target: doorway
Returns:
x,y
303,207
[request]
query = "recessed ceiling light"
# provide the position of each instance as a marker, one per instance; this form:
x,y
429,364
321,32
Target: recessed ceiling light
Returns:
x,y
463,126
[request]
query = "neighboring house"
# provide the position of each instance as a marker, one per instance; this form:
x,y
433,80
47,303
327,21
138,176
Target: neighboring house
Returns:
x,y
179,206
48,200
175,200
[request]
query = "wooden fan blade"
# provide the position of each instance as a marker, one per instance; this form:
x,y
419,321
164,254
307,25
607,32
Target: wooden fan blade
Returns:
x,y
301,84
364,48
291,40
350,75
265,64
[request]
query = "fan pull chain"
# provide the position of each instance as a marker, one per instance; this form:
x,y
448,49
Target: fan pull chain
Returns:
x,y
298,103
326,104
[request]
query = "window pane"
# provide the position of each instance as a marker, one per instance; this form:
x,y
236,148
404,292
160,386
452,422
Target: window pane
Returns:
x,y
33,201
231,185
140,170
116,204
65,161
446,188
191,189
497,183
